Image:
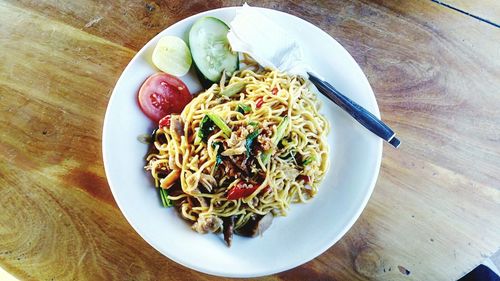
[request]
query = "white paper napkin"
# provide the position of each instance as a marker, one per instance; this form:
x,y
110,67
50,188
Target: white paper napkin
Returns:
x,y
268,43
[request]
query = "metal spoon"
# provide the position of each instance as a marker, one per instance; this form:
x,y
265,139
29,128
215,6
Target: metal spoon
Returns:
x,y
363,116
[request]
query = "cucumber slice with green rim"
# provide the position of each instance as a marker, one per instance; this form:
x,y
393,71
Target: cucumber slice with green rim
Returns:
x,y
171,55
210,49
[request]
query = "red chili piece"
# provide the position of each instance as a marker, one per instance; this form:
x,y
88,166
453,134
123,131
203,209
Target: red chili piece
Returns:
x,y
241,190
265,190
164,122
260,101
305,178
274,91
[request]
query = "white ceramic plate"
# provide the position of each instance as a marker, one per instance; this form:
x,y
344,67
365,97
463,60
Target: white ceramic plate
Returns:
x,y
309,229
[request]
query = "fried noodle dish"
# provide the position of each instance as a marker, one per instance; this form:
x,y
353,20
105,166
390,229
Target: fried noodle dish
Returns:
x,y
241,152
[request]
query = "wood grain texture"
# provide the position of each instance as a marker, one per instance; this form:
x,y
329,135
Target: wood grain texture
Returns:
x,y
435,72
485,9
5,276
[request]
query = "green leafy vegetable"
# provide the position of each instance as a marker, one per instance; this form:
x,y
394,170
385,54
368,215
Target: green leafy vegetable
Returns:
x,y
308,160
233,89
253,123
216,144
243,108
280,133
218,158
164,198
207,126
220,123
249,142
265,156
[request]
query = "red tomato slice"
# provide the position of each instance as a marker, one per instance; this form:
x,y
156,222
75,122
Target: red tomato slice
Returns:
x,y
163,94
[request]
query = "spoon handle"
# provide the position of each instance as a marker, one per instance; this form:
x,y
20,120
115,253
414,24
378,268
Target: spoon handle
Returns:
x,y
363,116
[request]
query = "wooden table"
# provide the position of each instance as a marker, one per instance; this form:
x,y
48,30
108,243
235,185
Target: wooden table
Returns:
x,y
435,212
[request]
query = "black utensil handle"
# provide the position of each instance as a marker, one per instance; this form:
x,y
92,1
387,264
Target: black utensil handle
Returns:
x,y
363,116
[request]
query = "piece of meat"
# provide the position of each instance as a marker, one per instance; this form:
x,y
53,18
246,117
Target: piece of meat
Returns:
x,y
256,225
289,172
208,224
240,163
229,169
265,142
237,138
298,158
228,229
176,126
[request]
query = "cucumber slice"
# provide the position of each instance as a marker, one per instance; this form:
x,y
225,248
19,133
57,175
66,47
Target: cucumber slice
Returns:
x,y
171,55
210,49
